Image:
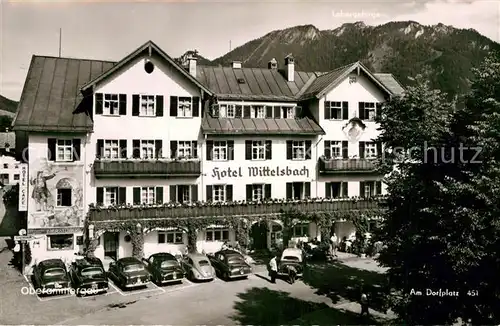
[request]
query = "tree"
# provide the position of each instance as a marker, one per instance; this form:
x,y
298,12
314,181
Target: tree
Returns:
x,y
441,226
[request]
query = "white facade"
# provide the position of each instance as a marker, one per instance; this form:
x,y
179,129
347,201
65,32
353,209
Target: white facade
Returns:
x,y
9,170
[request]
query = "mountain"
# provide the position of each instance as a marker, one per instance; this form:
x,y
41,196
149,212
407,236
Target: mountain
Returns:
x,y
443,53
7,107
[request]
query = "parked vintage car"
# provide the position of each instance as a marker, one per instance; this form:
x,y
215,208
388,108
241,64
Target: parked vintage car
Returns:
x,y
164,268
129,272
230,264
291,257
198,267
51,277
88,276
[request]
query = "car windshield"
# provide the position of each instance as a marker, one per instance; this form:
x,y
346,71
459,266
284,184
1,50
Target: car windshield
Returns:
x,y
169,263
54,272
134,268
292,258
203,263
92,272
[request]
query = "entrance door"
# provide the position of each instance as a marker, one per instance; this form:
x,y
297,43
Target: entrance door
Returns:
x,y
259,236
111,240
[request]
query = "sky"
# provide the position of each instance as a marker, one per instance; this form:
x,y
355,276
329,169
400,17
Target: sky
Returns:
x,y
109,30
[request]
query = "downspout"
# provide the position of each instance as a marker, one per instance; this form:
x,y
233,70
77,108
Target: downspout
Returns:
x,y
317,177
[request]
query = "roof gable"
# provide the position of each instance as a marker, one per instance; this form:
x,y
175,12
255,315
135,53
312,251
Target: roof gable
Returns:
x,y
150,47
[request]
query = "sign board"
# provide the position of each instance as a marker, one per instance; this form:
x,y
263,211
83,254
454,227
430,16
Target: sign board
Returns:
x,y
258,171
23,237
23,187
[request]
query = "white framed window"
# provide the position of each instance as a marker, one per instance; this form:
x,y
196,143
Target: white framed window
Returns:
x,y
220,151
335,109
147,149
257,192
369,111
301,230
60,241
183,193
227,111
64,197
372,188
111,149
217,234
338,189
147,107
148,195
298,150
218,193
110,196
258,112
64,150
184,108
111,104
336,149
288,112
370,150
258,150
172,237
184,149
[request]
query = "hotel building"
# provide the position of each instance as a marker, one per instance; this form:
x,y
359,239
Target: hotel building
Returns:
x,y
151,131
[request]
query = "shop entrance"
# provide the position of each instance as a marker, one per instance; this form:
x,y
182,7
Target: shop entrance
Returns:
x,y
111,240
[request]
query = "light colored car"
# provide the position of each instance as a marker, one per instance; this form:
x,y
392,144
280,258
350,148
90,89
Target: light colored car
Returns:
x,y
198,267
291,257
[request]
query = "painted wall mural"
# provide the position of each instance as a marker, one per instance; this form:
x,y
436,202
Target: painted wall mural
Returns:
x,y
56,196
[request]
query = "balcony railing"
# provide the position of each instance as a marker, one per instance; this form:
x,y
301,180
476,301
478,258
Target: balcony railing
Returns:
x,y
168,211
146,168
347,165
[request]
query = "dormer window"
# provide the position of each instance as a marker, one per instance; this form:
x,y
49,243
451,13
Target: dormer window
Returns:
x,y
288,112
258,112
227,111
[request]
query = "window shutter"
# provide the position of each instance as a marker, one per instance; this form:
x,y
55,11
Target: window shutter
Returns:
x,y
269,112
298,112
289,192
267,191
159,195
77,149
173,194
378,109
159,105
98,103
210,149
345,189
269,149
123,148
136,148
194,145
345,149
249,192
135,105
158,148
173,106
194,193
361,189
379,149
327,110
379,187
307,190
51,149
173,149
362,149
230,150
122,196
248,149
123,104
362,110
246,111
328,189
229,192
196,106
288,149
345,110
308,149
209,193
277,112
137,195
99,148
238,113
327,150
100,195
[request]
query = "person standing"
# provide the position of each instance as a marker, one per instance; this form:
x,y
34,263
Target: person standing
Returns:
x,y
292,274
273,269
364,304
334,244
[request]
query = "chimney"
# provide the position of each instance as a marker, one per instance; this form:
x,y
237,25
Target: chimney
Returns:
x,y
273,64
289,68
236,65
192,63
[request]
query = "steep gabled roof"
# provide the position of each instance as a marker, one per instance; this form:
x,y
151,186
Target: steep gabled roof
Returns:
x,y
149,46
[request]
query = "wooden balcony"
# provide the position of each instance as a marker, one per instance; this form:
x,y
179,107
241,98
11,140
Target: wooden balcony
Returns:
x,y
146,168
347,165
175,211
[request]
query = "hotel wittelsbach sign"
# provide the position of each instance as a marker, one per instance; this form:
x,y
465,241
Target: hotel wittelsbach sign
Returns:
x,y
259,171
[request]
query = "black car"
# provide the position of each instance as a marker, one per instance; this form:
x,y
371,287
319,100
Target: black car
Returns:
x,y
129,272
230,264
51,277
164,268
88,276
